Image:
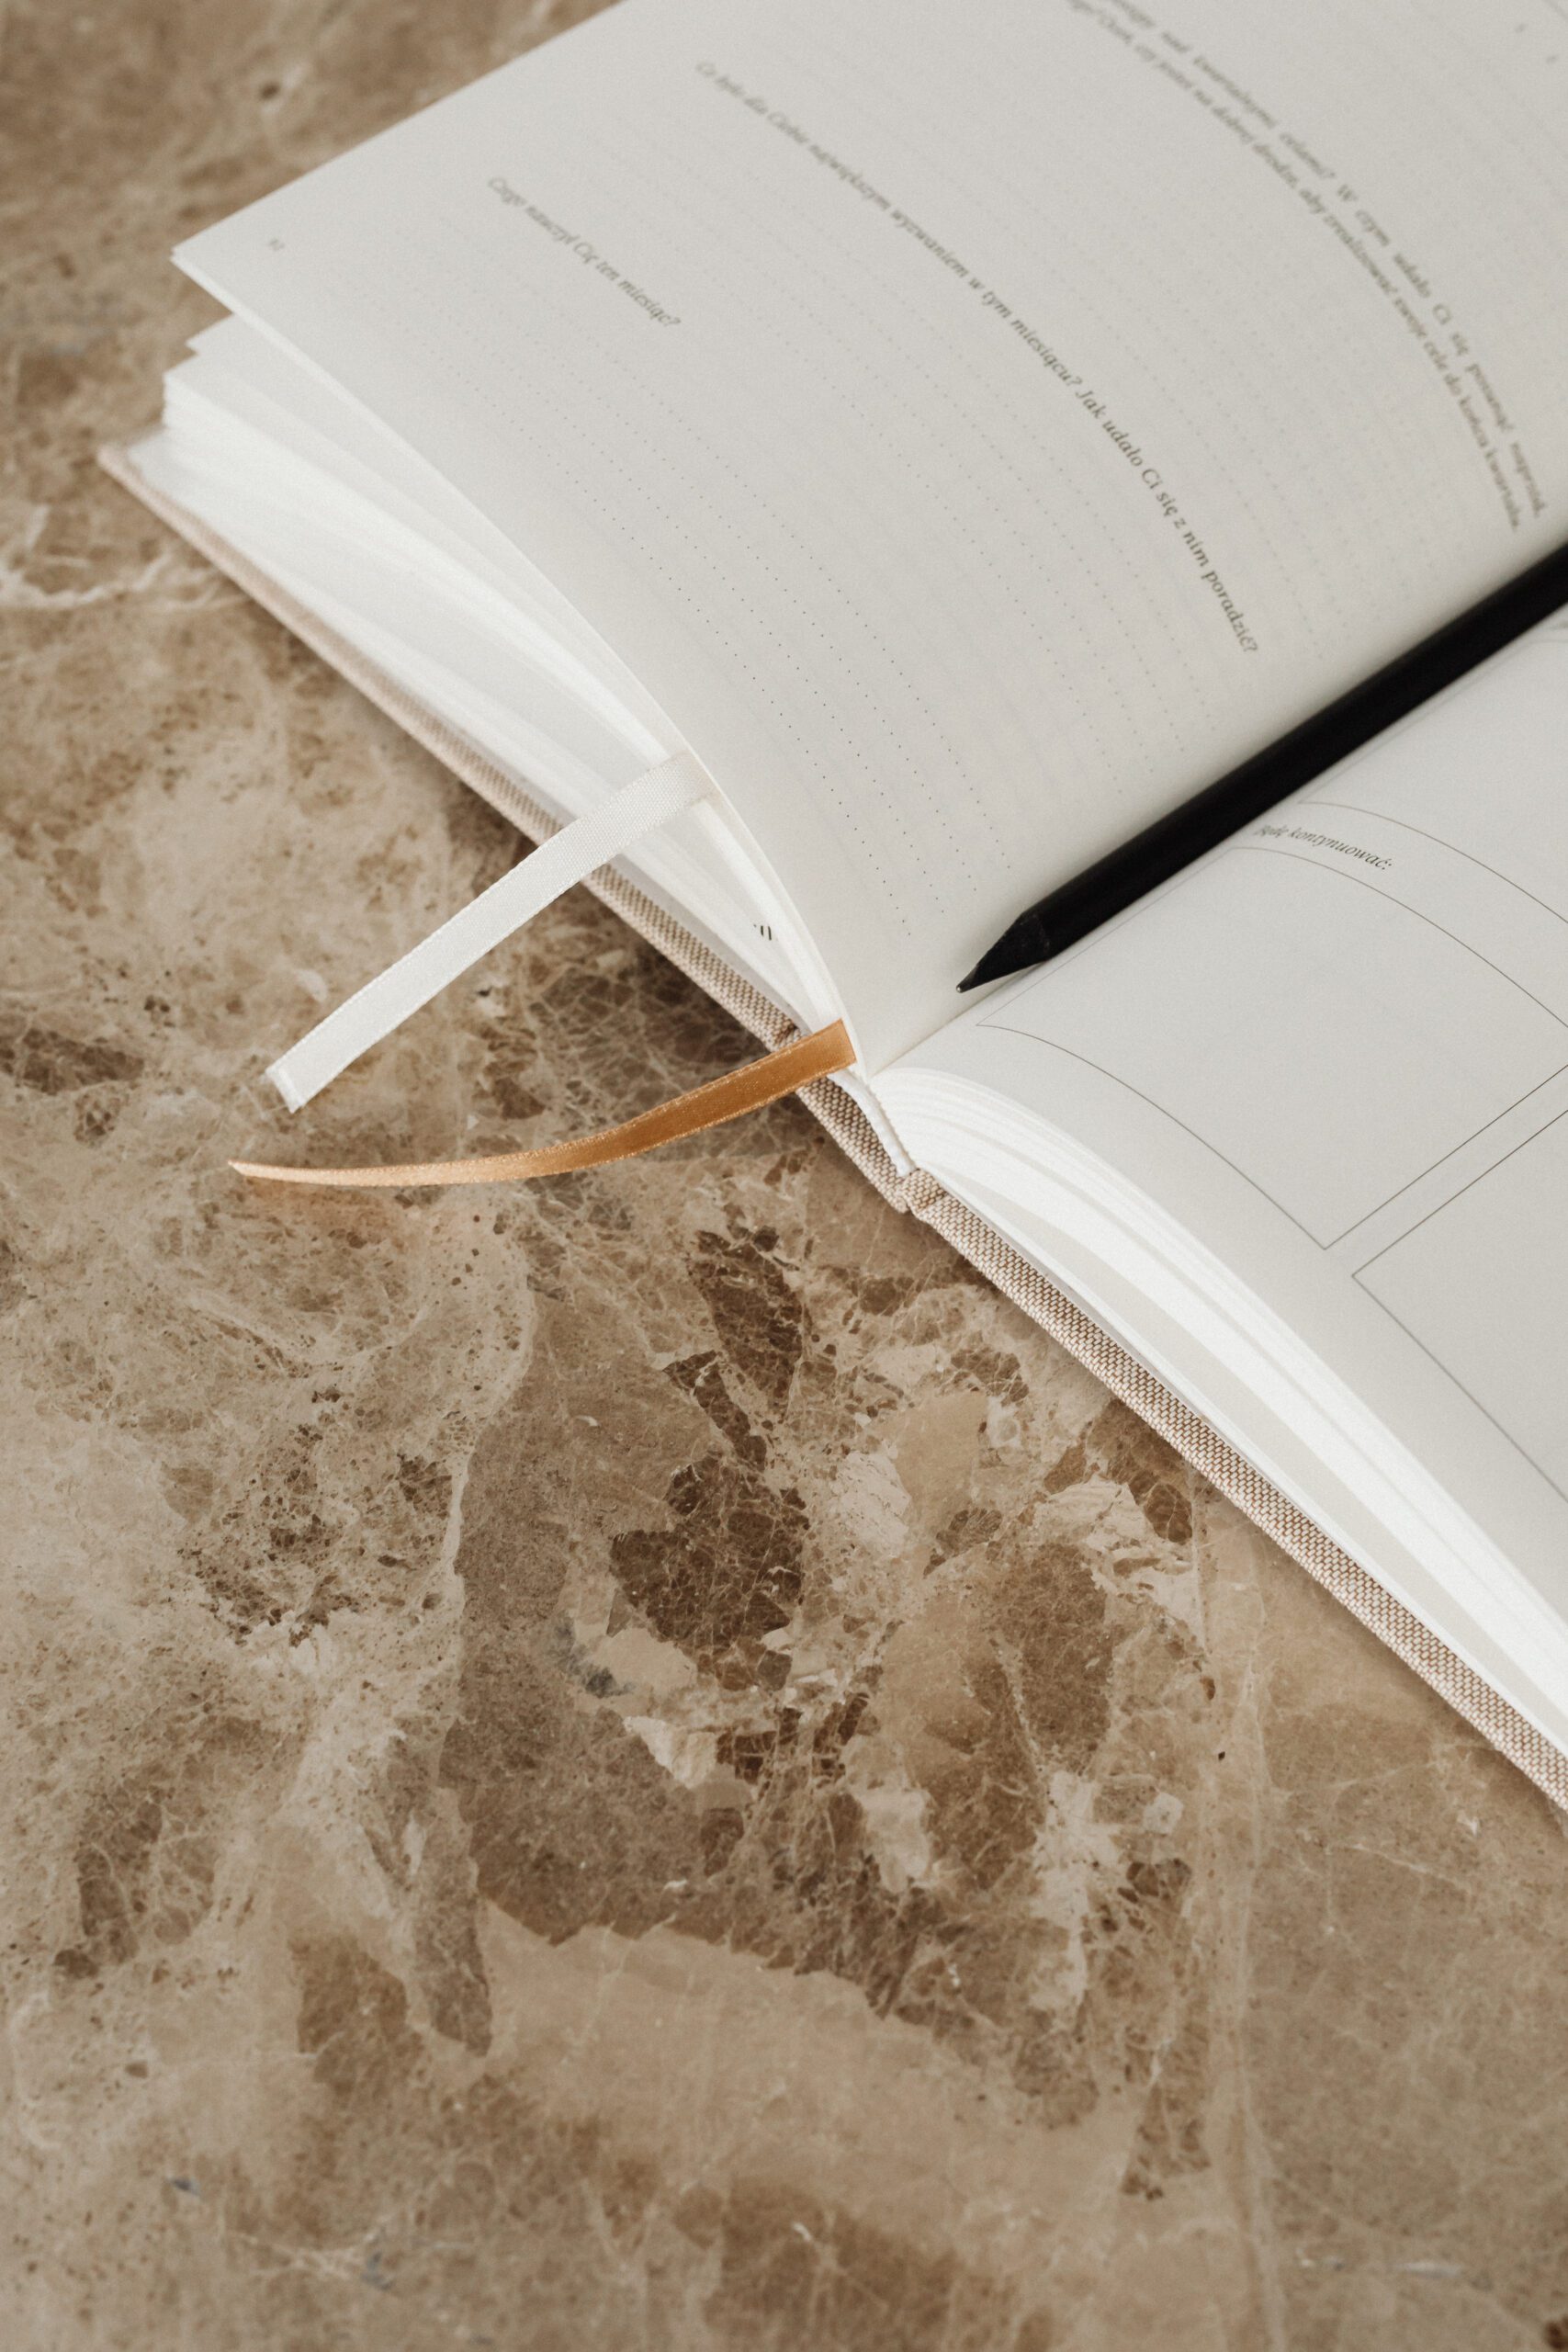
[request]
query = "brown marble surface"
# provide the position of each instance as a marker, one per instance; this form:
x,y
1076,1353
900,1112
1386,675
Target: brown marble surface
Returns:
x,y
640,1762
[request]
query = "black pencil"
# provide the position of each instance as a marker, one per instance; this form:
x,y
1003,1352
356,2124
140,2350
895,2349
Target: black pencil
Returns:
x,y
1174,841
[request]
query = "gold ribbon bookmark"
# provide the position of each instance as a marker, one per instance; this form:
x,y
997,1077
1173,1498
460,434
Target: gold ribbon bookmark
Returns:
x,y
779,1073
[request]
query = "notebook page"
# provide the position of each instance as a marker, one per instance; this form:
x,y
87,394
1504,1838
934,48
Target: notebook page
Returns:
x,y
977,429
1336,1055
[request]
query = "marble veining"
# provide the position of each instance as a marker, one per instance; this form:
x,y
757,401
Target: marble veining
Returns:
x,y
640,1761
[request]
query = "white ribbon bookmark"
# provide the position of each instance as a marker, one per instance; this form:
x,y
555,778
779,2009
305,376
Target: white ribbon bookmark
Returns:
x,y
571,856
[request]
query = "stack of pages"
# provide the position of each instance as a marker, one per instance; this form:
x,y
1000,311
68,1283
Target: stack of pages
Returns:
x,y
964,434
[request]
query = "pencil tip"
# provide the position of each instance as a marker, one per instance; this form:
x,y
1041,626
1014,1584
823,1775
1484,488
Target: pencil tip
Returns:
x,y
1019,947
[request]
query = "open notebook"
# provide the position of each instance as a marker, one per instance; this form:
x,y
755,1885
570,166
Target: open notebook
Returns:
x,y
930,445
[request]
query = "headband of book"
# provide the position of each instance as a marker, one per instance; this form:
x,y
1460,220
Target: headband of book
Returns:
x,y
385,1002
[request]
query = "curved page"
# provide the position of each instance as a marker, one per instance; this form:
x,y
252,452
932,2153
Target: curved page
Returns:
x,y
976,429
